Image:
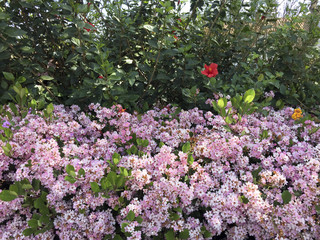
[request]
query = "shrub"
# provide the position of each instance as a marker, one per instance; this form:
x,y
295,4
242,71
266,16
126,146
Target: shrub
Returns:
x,y
109,174
143,53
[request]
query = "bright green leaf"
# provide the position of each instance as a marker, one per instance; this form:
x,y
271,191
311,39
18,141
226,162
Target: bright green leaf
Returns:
x,y
95,187
186,147
70,179
249,96
7,195
46,77
190,159
81,172
69,167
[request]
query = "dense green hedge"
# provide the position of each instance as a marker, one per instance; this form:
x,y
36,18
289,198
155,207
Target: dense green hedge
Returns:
x,y
150,52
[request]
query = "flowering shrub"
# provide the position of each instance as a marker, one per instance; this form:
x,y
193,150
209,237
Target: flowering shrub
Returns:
x,y
109,174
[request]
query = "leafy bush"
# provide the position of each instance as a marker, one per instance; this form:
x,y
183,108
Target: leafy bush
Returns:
x,y
165,174
142,53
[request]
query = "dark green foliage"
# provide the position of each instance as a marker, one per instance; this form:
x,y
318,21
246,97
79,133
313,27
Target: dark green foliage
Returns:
x,y
150,52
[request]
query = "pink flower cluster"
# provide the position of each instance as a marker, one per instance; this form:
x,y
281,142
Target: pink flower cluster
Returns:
x,y
234,186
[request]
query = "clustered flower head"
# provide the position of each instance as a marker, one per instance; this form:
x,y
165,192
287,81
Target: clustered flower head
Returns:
x,y
223,182
6,124
211,70
297,114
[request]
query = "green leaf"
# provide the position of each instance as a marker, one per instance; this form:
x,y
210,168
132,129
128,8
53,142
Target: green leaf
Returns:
x,y
44,219
104,183
82,8
261,77
190,159
73,174
8,76
46,77
81,172
70,179
221,103
255,173
131,216
14,32
43,196
27,49
69,167
17,187
244,200
184,234
317,208
123,225
95,187
174,216
50,109
7,195
149,28
124,171
112,178
145,143
286,197
170,235
117,237
139,141
13,108
4,15
26,186
36,184
28,231
186,147
139,219
44,210
205,232
33,223
116,158
76,41
249,96
229,119
178,209
120,181
38,203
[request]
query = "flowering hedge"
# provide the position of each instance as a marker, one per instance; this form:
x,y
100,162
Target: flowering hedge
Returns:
x,y
166,174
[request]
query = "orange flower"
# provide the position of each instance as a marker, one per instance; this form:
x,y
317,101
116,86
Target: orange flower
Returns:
x,y
121,110
297,114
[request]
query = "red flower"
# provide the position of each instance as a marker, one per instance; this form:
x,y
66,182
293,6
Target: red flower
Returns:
x,y
210,71
263,17
100,77
176,38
